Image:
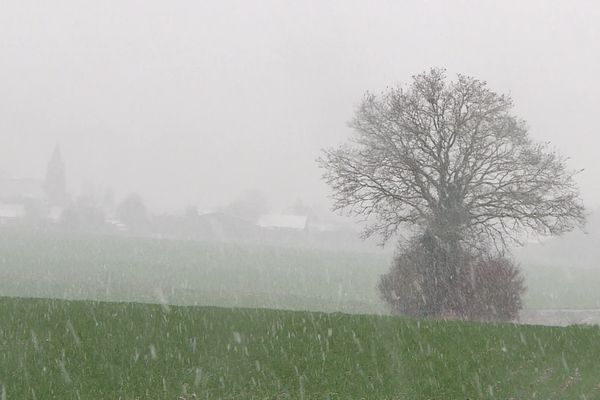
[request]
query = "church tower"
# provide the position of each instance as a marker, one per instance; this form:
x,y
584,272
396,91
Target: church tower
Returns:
x,y
55,183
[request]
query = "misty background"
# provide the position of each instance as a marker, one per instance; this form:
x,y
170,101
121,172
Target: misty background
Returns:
x,y
196,102
157,154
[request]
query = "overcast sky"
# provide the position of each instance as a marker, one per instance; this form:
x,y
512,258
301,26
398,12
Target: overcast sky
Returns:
x,y
196,101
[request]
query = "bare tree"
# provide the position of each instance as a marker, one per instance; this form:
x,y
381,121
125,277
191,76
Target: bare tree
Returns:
x,y
451,159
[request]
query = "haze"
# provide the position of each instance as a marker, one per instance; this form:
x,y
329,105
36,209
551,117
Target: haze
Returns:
x,y
195,102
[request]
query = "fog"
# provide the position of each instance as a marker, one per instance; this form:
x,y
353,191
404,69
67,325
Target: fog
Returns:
x,y
196,102
172,176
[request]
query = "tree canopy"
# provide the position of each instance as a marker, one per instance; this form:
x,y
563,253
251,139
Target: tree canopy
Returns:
x,y
449,157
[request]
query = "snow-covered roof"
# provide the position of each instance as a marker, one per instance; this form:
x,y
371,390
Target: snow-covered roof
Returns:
x,y
282,221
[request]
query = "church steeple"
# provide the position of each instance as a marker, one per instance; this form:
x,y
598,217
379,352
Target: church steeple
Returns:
x,y
55,183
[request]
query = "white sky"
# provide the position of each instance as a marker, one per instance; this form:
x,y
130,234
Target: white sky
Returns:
x,y
196,101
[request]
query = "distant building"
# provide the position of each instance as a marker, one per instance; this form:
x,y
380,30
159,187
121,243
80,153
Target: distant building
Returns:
x,y
283,222
20,198
10,213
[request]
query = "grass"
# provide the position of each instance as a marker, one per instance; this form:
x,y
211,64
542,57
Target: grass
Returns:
x,y
56,349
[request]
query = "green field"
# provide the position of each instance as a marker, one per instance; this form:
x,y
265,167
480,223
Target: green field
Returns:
x,y
54,349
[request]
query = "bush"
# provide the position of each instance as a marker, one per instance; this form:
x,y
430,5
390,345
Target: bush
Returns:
x,y
496,287
429,280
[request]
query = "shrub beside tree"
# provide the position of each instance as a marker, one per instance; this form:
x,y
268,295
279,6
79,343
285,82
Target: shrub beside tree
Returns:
x,y
497,286
484,288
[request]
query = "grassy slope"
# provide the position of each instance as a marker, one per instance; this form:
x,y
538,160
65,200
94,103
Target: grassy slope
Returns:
x,y
51,349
